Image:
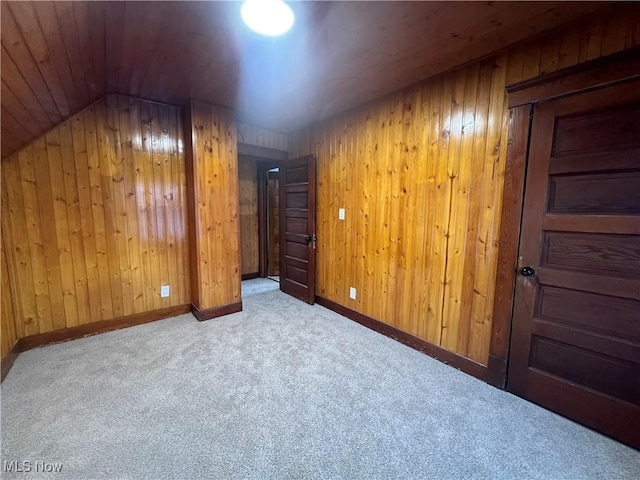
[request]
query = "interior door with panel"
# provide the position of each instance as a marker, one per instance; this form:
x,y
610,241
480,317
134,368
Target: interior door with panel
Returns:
x,y
575,345
298,227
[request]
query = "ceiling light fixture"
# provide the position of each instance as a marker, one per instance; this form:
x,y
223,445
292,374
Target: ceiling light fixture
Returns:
x,y
267,17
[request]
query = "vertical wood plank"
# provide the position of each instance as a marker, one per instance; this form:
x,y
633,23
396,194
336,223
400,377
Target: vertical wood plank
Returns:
x,y
130,185
35,239
115,157
140,179
76,207
248,189
16,243
48,230
60,221
77,200
213,190
159,208
7,310
97,216
75,148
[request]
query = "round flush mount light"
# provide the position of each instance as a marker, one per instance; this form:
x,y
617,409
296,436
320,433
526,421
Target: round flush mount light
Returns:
x,y
267,17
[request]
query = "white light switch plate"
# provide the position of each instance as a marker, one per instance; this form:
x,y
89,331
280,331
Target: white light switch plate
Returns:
x,y
352,293
164,291
341,214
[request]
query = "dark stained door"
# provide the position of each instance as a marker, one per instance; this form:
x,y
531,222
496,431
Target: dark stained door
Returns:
x,y
298,227
575,345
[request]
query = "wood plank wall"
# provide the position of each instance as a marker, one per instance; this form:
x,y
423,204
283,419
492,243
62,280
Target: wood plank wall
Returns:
x,y
249,242
262,137
212,179
8,333
94,217
420,173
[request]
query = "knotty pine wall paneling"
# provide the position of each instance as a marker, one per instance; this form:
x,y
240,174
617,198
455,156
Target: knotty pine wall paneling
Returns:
x,y
212,181
420,173
249,236
94,217
262,137
7,314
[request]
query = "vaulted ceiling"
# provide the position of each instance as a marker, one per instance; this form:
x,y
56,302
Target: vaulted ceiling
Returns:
x,y
57,57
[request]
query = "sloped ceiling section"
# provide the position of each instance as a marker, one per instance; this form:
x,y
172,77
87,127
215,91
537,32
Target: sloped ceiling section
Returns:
x,y
57,57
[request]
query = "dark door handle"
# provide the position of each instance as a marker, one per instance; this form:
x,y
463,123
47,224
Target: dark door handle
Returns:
x,y
527,271
310,239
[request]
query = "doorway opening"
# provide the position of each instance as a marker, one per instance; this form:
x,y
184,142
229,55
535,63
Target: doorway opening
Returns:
x,y
277,204
258,215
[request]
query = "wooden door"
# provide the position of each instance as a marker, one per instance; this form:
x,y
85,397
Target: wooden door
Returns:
x,y
575,345
298,227
273,247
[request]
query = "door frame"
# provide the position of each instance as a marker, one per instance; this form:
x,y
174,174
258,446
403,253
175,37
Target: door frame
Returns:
x,y
265,224
266,159
263,213
522,96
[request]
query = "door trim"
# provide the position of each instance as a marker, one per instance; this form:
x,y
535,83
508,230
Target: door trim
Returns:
x,y
263,204
605,71
264,153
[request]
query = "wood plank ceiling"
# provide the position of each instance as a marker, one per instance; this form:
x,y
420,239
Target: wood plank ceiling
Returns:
x,y
57,57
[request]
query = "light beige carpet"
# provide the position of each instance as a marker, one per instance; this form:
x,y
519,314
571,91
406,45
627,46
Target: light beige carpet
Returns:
x,y
280,390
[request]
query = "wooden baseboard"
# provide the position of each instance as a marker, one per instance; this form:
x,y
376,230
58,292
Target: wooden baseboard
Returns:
x,y
72,333
497,372
209,313
457,361
9,358
249,276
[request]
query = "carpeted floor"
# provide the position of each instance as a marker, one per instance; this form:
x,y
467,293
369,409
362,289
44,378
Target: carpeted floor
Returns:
x,y
258,285
280,390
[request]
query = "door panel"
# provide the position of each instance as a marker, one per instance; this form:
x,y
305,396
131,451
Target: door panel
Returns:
x,y
298,227
575,345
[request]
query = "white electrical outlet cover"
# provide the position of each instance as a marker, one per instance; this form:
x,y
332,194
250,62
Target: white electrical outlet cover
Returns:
x,y
352,293
164,291
341,214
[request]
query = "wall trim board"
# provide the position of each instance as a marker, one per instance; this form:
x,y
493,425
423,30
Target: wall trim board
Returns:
x,y
618,67
509,240
209,313
144,99
250,276
88,329
262,153
9,358
445,356
496,372
193,227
